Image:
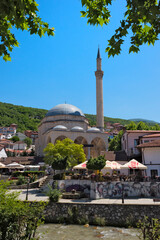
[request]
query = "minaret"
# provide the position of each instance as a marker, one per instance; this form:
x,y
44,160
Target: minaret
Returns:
x,y
99,93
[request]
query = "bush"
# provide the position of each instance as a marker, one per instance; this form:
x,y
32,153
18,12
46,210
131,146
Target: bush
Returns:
x,y
53,194
26,173
21,180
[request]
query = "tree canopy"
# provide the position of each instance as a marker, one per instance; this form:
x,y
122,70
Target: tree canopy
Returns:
x,y
141,18
65,148
23,15
96,163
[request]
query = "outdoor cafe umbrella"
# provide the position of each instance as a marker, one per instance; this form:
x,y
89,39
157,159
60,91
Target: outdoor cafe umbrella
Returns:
x,y
15,165
134,164
108,165
81,166
115,165
2,165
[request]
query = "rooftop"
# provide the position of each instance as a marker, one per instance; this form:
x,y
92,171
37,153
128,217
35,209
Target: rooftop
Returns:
x,y
155,143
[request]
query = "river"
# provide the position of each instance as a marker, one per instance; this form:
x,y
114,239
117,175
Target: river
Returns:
x,y
79,232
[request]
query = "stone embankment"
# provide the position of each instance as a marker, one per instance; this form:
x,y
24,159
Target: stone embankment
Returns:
x,y
100,214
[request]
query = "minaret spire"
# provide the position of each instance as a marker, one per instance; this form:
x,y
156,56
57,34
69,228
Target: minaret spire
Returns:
x,y
99,92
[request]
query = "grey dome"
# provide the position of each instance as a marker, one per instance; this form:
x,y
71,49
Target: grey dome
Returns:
x,y
77,129
60,128
65,109
93,129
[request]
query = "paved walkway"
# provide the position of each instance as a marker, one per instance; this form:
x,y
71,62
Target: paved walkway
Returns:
x,y
35,195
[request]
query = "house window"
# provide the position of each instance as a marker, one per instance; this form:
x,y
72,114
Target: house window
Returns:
x,y
145,141
136,142
154,173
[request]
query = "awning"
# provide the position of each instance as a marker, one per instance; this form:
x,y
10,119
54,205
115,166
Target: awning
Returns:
x,y
15,165
81,166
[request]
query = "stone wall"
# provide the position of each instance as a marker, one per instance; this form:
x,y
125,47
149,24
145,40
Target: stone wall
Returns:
x,y
108,214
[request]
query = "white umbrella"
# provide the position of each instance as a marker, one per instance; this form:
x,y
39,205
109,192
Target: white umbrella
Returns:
x,y
15,165
115,165
2,165
133,164
81,166
108,165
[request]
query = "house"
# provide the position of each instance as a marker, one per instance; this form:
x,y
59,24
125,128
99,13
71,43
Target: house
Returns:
x,y
151,157
9,130
21,136
132,138
32,134
19,145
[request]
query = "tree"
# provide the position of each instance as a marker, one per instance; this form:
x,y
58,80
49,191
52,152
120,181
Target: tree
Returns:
x,y
96,163
18,220
115,143
28,141
142,126
15,139
141,18
65,148
131,126
20,14
60,163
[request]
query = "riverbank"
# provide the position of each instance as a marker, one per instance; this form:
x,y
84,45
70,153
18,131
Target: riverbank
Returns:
x,y
102,212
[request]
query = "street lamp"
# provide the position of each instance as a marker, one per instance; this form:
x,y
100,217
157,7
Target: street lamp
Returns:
x,y
28,180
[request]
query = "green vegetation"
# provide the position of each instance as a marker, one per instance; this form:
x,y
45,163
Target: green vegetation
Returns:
x,y
150,228
18,219
15,139
140,22
20,15
96,163
28,141
65,148
25,117
53,194
28,118
28,173
115,143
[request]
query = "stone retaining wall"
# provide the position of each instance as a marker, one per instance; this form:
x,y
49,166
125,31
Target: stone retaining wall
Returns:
x,y
110,214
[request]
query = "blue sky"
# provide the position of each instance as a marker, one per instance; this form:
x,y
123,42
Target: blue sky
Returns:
x,y
48,71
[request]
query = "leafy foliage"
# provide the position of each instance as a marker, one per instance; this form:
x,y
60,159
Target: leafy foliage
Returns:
x,y
28,141
15,139
18,220
23,15
115,143
96,163
60,163
65,148
141,18
25,117
150,228
53,194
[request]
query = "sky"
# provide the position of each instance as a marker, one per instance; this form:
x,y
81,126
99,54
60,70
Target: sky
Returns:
x,y
48,71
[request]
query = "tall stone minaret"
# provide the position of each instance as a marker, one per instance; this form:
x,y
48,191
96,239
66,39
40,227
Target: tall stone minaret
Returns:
x,y
99,93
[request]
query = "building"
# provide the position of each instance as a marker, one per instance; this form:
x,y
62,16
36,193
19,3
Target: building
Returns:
x,y
9,130
21,136
31,134
151,157
132,138
68,121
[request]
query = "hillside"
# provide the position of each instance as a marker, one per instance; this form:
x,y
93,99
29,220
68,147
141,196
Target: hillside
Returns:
x,y
28,118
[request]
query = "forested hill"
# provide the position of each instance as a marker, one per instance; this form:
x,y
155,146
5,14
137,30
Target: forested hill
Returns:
x,y
28,118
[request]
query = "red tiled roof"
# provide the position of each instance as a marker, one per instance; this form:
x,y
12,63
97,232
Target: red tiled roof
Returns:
x,y
155,143
142,131
151,135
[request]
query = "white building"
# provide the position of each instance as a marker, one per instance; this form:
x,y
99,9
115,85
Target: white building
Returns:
x,y
151,157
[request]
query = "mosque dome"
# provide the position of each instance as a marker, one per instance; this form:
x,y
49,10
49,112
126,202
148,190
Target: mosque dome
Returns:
x,y
77,129
65,109
60,128
93,129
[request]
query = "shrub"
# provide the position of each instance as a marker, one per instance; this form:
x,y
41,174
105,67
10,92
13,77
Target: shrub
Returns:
x,y
53,194
21,180
26,173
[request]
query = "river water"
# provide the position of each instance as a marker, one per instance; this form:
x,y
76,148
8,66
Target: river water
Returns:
x,y
79,232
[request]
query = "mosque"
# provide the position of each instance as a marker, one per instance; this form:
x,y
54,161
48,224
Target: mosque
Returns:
x,y
68,121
